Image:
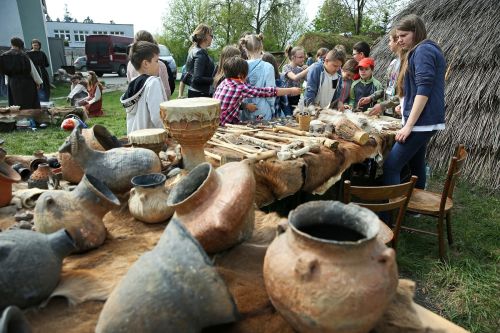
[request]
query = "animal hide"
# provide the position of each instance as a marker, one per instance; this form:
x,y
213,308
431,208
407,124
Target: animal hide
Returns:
x,y
265,228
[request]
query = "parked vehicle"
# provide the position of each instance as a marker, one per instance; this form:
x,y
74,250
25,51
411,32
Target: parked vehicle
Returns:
x,y
81,64
166,55
107,54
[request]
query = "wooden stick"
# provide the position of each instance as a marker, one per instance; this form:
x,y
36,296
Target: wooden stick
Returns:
x,y
262,155
290,130
231,147
259,142
212,155
272,137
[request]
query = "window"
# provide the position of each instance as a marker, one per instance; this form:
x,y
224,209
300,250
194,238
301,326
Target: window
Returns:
x,y
79,35
120,48
62,34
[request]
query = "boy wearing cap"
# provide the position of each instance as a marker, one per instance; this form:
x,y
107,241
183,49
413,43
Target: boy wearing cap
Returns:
x,y
365,86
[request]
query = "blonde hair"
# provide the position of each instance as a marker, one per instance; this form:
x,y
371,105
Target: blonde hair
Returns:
x,y
252,43
200,34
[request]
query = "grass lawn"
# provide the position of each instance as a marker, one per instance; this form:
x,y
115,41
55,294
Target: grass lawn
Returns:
x,y
464,290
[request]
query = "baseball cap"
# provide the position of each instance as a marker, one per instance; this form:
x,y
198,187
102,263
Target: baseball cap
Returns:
x,y
366,62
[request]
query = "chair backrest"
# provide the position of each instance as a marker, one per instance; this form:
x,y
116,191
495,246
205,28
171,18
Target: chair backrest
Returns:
x,y
381,198
454,170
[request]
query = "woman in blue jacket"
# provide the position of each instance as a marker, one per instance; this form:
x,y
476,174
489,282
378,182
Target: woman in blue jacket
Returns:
x,y
421,86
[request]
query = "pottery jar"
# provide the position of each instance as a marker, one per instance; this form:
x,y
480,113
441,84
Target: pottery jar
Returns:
x,y
148,199
31,265
7,177
80,212
328,272
216,205
21,170
173,288
14,321
40,177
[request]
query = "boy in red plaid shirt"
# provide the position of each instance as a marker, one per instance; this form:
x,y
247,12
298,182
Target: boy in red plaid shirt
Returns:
x,y
234,89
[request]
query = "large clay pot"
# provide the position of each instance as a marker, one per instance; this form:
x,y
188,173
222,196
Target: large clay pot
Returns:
x,y
191,122
80,212
114,167
173,288
13,321
30,265
40,177
98,138
148,199
216,205
328,272
7,177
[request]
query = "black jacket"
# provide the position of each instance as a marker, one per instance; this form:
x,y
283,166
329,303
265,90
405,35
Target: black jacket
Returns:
x,y
201,67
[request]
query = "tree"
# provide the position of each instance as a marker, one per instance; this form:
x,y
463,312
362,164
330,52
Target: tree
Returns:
x,y
232,20
67,15
88,20
285,25
262,10
333,16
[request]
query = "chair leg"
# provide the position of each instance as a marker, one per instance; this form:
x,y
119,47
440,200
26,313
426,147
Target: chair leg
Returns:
x,y
440,231
448,227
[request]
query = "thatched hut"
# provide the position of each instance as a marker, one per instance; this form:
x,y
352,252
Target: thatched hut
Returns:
x,y
468,31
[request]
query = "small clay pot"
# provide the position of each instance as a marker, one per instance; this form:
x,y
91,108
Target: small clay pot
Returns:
x,y
7,177
53,162
21,170
13,321
31,265
148,199
40,177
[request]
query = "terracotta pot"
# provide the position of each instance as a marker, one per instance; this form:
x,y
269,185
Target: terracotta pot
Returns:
x,y
328,272
148,199
115,167
97,138
40,177
80,212
176,278
31,264
7,177
216,205
192,122
13,321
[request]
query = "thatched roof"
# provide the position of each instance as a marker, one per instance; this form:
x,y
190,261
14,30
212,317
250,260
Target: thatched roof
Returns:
x,y
468,32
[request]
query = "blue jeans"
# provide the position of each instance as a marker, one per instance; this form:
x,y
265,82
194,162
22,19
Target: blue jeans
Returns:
x,y
411,152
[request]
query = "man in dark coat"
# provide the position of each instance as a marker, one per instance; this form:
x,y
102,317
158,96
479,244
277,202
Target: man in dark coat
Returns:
x,y
21,72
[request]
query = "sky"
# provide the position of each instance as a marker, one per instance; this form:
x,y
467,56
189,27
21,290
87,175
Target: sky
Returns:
x,y
143,14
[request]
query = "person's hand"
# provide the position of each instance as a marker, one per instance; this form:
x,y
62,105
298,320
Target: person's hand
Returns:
x,y
364,101
403,134
38,86
376,110
251,107
397,109
347,107
304,67
295,91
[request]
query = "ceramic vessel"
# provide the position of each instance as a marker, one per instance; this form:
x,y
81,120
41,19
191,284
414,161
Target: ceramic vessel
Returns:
x,y
115,167
40,177
7,177
25,173
192,122
216,205
328,272
97,138
31,264
176,278
13,321
80,212
148,199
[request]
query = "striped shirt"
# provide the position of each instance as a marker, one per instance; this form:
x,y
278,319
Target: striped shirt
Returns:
x,y
231,92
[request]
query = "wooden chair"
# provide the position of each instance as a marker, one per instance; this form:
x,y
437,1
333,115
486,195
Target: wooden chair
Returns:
x,y
382,199
439,204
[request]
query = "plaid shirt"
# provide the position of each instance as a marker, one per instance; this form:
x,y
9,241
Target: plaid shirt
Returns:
x,y
231,92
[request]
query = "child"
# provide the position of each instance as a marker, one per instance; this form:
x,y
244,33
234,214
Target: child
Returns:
x,y
281,107
321,54
78,90
227,52
365,86
234,88
93,103
145,92
348,71
324,81
360,50
295,72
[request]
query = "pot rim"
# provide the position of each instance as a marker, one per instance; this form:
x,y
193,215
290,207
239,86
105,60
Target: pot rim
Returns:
x,y
367,218
101,189
178,188
157,179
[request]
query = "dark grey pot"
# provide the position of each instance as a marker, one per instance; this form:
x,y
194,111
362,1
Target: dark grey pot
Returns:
x,y
173,288
13,321
30,265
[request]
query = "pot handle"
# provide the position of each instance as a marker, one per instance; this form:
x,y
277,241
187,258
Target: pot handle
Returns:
x,y
388,256
305,267
282,226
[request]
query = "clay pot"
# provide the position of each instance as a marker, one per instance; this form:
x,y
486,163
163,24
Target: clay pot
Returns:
x,y
176,278
25,173
98,138
7,177
31,264
328,272
13,321
115,167
192,122
148,199
40,177
216,205
80,212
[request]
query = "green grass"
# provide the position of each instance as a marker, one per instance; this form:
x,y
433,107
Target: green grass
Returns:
x,y
463,290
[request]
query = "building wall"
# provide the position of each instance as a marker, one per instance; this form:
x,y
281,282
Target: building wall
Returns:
x,y
10,22
76,32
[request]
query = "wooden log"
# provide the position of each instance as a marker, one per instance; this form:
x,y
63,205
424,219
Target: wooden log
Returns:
x,y
349,131
272,137
290,130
